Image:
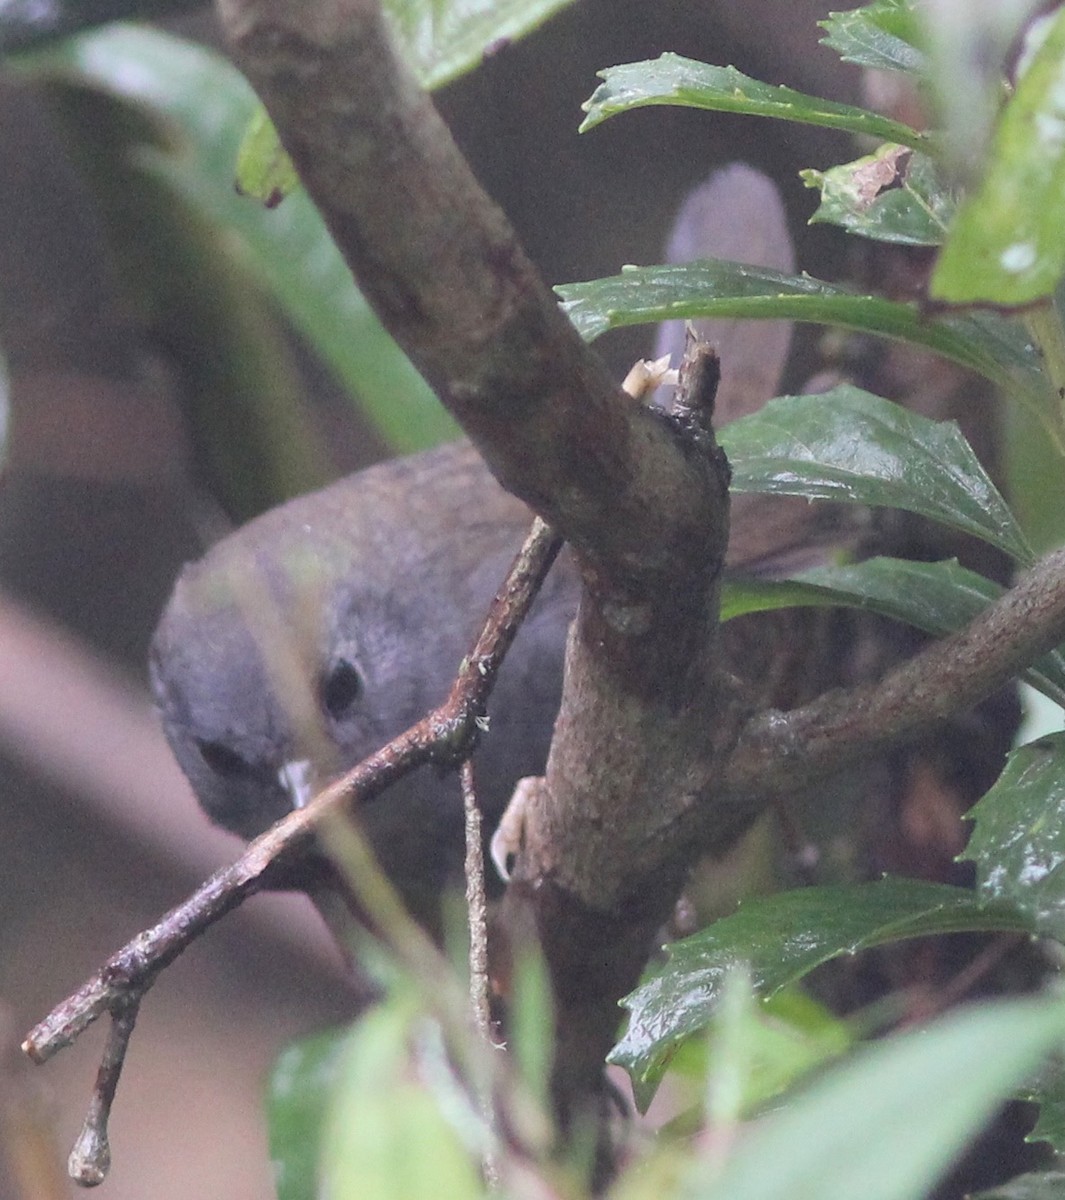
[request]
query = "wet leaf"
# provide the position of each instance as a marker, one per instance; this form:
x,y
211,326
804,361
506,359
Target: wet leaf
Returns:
x,y
849,445
1018,838
995,347
782,938
674,80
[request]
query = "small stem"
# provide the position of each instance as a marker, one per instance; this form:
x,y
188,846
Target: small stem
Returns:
x,y
90,1160
477,909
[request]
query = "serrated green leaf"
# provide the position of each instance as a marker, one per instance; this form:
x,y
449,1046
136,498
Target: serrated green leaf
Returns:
x,y
1018,839
1005,246
674,80
887,1123
1036,1185
263,170
299,1091
288,247
892,195
993,346
446,38
850,445
882,35
782,938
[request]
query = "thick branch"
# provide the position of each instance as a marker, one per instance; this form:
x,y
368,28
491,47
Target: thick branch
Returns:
x,y
445,272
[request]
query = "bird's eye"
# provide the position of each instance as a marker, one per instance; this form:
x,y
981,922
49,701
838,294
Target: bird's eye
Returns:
x,y
224,760
341,688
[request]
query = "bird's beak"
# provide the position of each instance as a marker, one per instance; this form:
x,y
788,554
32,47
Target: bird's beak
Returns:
x,y
300,780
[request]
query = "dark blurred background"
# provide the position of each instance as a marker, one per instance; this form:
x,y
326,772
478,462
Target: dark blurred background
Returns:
x,y
100,503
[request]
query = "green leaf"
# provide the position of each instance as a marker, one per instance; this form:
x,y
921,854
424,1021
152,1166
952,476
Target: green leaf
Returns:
x,y
674,80
1018,840
263,170
995,347
1005,247
395,1126
883,35
1036,1185
887,1123
289,248
938,597
1047,1089
782,938
446,38
758,1049
850,445
892,195
299,1091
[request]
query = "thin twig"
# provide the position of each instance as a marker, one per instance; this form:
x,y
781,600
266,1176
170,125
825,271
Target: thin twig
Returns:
x,y
449,731
477,915
90,1160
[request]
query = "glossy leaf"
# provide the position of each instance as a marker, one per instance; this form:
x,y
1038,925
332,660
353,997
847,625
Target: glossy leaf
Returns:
x,y
883,35
993,346
1005,247
887,1123
892,195
674,80
289,247
1018,839
299,1092
938,597
446,38
849,445
782,938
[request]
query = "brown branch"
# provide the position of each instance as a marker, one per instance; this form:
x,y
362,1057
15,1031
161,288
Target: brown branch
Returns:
x,y
641,498
783,751
446,735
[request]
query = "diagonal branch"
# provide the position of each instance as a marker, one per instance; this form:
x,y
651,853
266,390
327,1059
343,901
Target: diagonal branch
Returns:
x,y
781,751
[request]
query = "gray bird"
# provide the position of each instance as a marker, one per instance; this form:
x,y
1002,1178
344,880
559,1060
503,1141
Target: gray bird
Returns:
x,y
302,642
